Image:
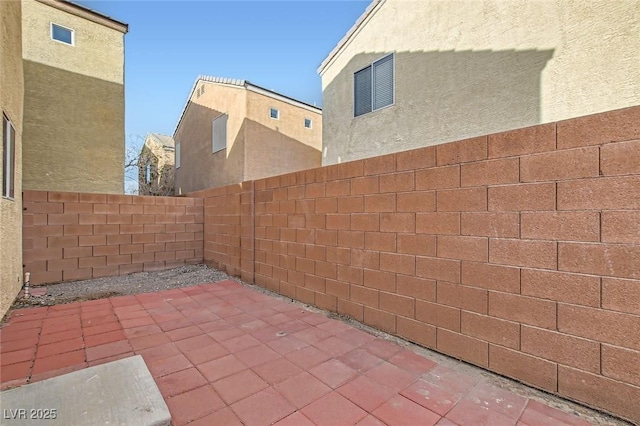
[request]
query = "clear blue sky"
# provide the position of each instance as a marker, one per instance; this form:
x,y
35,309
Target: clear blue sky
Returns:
x,y
274,44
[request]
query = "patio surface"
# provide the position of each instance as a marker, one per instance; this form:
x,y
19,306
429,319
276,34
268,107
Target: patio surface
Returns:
x,y
225,354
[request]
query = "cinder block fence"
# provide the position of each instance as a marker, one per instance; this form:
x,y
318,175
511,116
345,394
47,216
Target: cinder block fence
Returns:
x,y
518,252
71,236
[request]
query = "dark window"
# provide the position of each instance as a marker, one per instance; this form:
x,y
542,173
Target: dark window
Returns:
x,y
374,86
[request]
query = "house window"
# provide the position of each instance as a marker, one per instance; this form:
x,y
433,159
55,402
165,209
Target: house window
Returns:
x,y
62,34
274,113
219,141
177,156
307,123
374,86
147,174
8,157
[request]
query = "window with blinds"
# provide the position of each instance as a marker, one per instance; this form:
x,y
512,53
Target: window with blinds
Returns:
x,y
374,86
219,133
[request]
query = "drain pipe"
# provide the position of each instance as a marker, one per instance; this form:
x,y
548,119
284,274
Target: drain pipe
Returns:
x,y
27,285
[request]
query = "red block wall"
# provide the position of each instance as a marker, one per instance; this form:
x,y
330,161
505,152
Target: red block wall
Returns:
x,y
75,236
518,252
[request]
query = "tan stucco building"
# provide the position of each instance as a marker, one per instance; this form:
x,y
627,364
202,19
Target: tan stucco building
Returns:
x,y
156,165
11,104
231,131
459,69
74,98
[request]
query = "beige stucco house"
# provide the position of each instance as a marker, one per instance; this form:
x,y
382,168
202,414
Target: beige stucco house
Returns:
x,y
231,131
156,165
417,73
74,98
11,106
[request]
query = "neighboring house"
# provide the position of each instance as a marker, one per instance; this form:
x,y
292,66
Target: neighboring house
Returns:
x,y
11,106
156,165
417,73
232,131
74,98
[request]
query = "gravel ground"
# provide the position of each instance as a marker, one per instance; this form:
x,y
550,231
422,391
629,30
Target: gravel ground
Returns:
x,y
141,282
185,276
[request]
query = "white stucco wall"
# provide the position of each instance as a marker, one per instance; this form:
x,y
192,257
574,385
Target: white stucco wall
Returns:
x,y
466,68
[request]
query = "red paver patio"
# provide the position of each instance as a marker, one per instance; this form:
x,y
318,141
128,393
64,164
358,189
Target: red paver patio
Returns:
x,y
222,353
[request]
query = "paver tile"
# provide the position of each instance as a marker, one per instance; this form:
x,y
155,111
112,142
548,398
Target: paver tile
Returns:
x,y
500,400
412,362
225,354
391,376
537,414
180,382
470,413
58,348
451,380
404,412
149,341
295,419
223,417
171,364
108,349
334,409
257,355
263,408
177,334
194,342
54,338
277,370
302,389
103,338
431,396
222,367
382,348
366,393
307,357
240,343
207,353
12,372
360,360
239,386
58,361
334,373
18,356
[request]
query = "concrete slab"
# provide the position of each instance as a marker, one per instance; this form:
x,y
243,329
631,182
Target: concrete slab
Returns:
x,y
121,392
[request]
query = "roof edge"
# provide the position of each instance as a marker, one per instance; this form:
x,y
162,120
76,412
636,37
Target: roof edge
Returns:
x,y
369,11
246,85
87,13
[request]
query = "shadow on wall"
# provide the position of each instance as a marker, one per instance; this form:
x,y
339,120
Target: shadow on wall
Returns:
x,y
439,97
73,131
257,151
270,152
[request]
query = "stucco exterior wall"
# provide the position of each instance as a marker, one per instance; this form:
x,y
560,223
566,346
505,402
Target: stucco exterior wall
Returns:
x,y
11,104
162,164
467,68
74,103
257,145
200,168
275,147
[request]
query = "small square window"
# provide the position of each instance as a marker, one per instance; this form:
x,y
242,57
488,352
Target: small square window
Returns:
x,y
274,113
62,34
307,123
